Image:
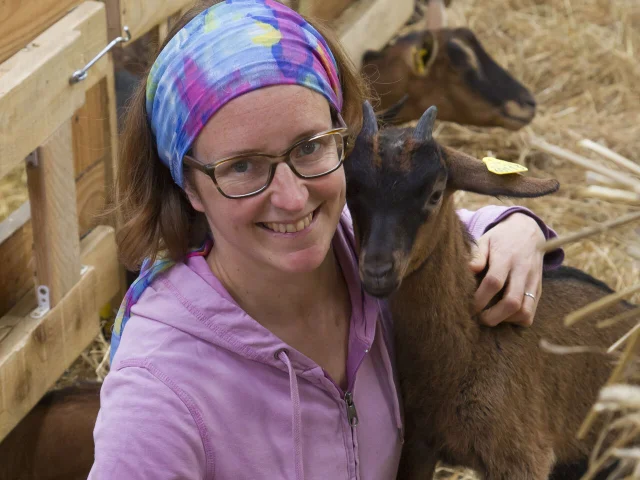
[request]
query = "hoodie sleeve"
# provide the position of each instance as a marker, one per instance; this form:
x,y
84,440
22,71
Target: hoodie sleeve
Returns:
x,y
145,429
484,219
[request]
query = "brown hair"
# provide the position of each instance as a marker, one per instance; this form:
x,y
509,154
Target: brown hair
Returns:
x,y
154,212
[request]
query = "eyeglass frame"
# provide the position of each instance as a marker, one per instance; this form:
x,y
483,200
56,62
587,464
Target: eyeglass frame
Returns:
x,y
209,168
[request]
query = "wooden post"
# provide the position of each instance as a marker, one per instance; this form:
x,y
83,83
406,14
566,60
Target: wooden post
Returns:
x,y
52,194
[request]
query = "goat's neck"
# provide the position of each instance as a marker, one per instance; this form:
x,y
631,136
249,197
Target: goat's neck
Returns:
x,y
437,297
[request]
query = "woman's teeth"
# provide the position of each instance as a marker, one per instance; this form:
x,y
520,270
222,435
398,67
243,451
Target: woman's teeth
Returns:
x,y
290,227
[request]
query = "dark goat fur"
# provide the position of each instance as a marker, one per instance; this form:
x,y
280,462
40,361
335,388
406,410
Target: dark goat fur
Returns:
x,y
55,440
487,398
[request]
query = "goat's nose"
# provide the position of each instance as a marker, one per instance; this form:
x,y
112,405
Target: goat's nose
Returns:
x,y
378,269
528,100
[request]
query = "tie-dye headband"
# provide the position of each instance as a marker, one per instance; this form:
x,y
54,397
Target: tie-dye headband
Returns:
x,y
231,48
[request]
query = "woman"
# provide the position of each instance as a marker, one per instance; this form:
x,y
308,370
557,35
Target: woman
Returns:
x,y
250,349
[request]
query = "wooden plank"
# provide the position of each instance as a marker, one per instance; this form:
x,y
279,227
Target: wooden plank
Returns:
x,y
52,195
141,15
90,130
15,221
370,24
99,250
114,21
23,20
16,274
90,196
111,158
35,352
35,94
326,11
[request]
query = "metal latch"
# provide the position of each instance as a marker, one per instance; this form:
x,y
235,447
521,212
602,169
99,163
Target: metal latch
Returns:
x,y
80,75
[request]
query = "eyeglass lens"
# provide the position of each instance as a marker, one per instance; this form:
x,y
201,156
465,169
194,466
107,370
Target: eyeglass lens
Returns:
x,y
248,174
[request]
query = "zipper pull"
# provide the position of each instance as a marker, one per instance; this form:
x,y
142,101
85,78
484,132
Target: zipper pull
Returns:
x,y
352,414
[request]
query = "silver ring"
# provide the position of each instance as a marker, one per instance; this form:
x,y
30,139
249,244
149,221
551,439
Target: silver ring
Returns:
x,y
527,294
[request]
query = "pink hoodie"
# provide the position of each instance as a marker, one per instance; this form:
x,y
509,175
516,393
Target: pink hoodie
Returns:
x,y
199,390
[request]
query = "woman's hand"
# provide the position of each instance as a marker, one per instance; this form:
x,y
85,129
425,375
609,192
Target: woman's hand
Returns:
x,y
511,250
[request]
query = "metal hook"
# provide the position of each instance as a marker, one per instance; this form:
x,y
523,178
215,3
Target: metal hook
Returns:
x,y
80,75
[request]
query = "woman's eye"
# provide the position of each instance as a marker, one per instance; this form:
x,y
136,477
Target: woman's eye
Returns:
x,y
309,148
241,166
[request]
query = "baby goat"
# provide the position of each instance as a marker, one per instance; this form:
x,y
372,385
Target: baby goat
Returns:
x,y
482,397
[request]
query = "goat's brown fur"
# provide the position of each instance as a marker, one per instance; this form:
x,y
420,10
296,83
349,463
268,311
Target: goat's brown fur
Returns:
x,y
55,440
487,398
448,68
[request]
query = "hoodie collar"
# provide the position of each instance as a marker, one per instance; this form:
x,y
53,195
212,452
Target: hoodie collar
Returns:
x,y
222,321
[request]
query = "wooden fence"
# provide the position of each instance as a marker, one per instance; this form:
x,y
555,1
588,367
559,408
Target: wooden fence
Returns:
x,y
58,261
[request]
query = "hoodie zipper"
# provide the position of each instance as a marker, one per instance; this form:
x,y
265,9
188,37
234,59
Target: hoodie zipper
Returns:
x,y
352,413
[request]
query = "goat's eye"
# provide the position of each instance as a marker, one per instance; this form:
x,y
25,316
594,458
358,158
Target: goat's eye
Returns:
x,y
435,197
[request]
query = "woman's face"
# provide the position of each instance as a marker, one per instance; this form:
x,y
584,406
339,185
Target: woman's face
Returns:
x,y
269,120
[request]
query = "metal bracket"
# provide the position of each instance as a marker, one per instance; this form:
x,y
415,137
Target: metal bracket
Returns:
x,y
42,292
80,75
32,159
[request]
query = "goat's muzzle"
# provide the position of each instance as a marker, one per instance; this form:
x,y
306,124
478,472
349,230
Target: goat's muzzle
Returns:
x,y
520,112
379,279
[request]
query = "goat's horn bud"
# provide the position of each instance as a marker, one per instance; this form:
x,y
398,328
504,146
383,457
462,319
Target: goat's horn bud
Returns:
x,y
424,128
369,120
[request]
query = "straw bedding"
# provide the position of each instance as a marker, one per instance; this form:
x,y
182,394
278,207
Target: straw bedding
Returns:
x,y
580,59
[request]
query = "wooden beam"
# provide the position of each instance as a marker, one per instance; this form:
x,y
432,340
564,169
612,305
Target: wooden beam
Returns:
x,y
24,20
15,221
90,130
370,24
35,94
326,11
99,250
16,274
111,158
52,195
90,198
35,352
141,15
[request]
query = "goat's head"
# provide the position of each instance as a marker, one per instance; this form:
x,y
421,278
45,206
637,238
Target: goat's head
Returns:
x,y
399,186
450,69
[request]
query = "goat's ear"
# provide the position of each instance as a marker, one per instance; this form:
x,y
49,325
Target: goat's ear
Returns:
x,y
423,53
388,115
470,174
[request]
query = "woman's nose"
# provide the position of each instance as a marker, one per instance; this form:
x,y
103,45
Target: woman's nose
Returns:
x,y
288,191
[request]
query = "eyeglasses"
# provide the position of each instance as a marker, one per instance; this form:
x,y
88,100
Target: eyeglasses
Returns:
x,y
245,175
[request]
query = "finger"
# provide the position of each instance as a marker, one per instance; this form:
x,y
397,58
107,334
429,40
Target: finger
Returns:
x,y
480,253
491,284
511,302
527,312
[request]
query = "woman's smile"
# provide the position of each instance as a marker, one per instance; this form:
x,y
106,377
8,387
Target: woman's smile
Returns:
x,y
292,228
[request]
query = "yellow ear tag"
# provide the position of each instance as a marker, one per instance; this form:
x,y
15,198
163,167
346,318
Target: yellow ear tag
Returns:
x,y
419,56
500,167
